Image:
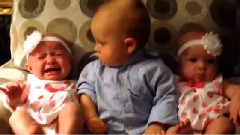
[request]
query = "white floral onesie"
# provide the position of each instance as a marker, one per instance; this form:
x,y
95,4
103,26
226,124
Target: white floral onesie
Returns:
x,y
202,102
46,98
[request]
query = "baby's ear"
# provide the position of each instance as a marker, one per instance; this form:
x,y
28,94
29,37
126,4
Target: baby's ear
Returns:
x,y
131,45
28,67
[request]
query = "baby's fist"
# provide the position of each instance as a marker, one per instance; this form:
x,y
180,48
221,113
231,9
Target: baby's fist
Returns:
x,y
96,126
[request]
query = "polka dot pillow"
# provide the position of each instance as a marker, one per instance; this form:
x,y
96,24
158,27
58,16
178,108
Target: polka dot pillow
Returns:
x,y
170,18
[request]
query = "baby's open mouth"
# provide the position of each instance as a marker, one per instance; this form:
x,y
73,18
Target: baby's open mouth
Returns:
x,y
52,69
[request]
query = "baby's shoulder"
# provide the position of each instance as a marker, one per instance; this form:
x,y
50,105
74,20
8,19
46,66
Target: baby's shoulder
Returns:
x,y
156,62
95,64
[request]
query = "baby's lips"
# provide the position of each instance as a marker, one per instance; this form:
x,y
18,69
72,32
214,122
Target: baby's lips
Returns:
x,y
3,88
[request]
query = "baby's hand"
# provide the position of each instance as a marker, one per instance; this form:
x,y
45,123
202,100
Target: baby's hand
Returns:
x,y
96,126
15,93
155,128
235,108
184,127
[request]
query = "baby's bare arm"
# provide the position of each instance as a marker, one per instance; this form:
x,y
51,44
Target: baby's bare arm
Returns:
x,y
93,122
88,107
232,91
155,128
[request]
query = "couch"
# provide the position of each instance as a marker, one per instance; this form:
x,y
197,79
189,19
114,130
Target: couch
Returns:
x,y
72,18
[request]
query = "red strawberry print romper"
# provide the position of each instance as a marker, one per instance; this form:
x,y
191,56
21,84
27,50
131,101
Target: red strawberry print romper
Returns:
x,y
201,103
46,98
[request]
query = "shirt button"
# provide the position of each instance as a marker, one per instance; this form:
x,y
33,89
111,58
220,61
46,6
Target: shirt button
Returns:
x,y
127,110
123,90
130,127
139,70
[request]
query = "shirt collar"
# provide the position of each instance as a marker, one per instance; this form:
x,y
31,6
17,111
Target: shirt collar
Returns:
x,y
141,55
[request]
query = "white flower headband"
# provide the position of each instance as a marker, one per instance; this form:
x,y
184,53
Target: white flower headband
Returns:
x,y
210,42
33,40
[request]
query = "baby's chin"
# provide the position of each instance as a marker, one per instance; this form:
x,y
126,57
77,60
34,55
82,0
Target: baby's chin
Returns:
x,y
196,80
204,79
53,77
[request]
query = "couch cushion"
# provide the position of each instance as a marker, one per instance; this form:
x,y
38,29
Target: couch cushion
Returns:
x,y
57,16
4,115
72,18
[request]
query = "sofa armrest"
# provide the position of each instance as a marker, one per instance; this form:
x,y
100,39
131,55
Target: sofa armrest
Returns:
x,y
8,72
4,116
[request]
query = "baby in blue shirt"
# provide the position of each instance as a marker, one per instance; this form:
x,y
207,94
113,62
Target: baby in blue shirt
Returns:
x,y
127,90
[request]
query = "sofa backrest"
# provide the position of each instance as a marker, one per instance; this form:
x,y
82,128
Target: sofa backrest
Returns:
x,y
170,18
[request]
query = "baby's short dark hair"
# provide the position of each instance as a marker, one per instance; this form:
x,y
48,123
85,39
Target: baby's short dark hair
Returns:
x,y
138,23
141,24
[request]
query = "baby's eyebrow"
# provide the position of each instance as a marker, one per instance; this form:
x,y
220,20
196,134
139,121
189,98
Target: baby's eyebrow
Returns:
x,y
38,54
97,40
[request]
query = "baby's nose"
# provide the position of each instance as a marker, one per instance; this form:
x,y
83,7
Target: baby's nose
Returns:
x,y
50,59
201,65
97,48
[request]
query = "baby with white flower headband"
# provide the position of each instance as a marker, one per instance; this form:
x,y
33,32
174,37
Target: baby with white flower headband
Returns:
x,y
47,102
205,95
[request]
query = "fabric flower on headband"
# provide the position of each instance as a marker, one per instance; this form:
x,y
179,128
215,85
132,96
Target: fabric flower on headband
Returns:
x,y
212,44
32,41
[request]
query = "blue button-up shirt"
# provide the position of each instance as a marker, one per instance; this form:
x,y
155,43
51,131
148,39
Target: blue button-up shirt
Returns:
x,y
130,97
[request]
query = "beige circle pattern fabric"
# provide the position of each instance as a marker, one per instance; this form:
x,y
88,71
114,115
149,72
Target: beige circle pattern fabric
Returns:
x,y
170,19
